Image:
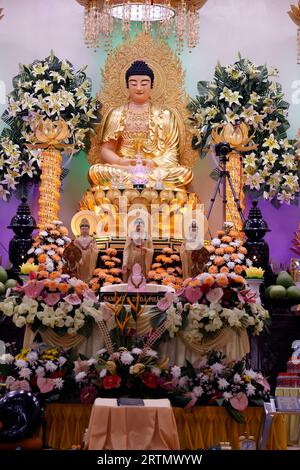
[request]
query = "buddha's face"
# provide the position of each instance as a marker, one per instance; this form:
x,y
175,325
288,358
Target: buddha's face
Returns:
x,y
139,88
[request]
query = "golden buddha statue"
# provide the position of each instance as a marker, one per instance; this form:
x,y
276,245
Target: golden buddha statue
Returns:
x,y
139,127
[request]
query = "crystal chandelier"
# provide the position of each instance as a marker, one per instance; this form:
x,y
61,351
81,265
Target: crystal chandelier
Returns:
x,y
163,18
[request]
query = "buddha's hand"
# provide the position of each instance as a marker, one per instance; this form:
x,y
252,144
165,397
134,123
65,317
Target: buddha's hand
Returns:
x,y
124,269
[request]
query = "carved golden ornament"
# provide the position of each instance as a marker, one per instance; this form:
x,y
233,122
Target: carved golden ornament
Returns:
x,y
181,196
157,201
168,89
167,195
131,194
149,194
236,135
99,195
113,194
140,200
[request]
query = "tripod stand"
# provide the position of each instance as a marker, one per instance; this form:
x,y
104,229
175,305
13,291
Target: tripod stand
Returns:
x,y
222,151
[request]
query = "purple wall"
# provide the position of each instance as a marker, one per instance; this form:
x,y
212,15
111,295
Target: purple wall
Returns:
x,y
283,222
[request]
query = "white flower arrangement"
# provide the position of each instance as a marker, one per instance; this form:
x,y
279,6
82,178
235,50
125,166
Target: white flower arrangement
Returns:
x,y
203,319
247,92
66,307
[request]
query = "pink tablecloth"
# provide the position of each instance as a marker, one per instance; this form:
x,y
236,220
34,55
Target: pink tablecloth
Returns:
x,y
149,427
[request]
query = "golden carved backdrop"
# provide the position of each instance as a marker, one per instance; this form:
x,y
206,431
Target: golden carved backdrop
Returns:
x,y
168,89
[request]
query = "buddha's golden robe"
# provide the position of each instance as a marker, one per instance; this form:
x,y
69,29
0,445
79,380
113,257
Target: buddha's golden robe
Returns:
x,y
159,141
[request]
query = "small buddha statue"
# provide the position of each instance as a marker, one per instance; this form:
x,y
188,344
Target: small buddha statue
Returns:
x,y
72,256
192,253
136,281
140,126
89,252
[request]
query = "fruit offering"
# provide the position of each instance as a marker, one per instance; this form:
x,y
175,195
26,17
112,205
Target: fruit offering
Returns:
x,y
284,290
5,282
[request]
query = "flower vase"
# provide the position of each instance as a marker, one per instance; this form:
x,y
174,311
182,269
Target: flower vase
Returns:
x,y
254,285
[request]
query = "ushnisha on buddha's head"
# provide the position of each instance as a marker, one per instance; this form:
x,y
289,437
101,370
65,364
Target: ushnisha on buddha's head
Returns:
x,y
139,81
84,228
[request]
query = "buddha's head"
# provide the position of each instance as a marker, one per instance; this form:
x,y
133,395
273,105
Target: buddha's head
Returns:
x,y
139,81
84,228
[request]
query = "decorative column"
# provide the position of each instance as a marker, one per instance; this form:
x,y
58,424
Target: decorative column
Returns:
x,y
236,171
236,137
50,136
49,186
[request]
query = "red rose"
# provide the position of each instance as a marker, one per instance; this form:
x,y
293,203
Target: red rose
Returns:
x,y
111,381
150,380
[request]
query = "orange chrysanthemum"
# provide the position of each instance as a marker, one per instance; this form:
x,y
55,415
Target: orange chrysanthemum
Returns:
x,y
224,269
239,269
226,239
212,269
219,261
229,249
42,258
222,281
63,287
